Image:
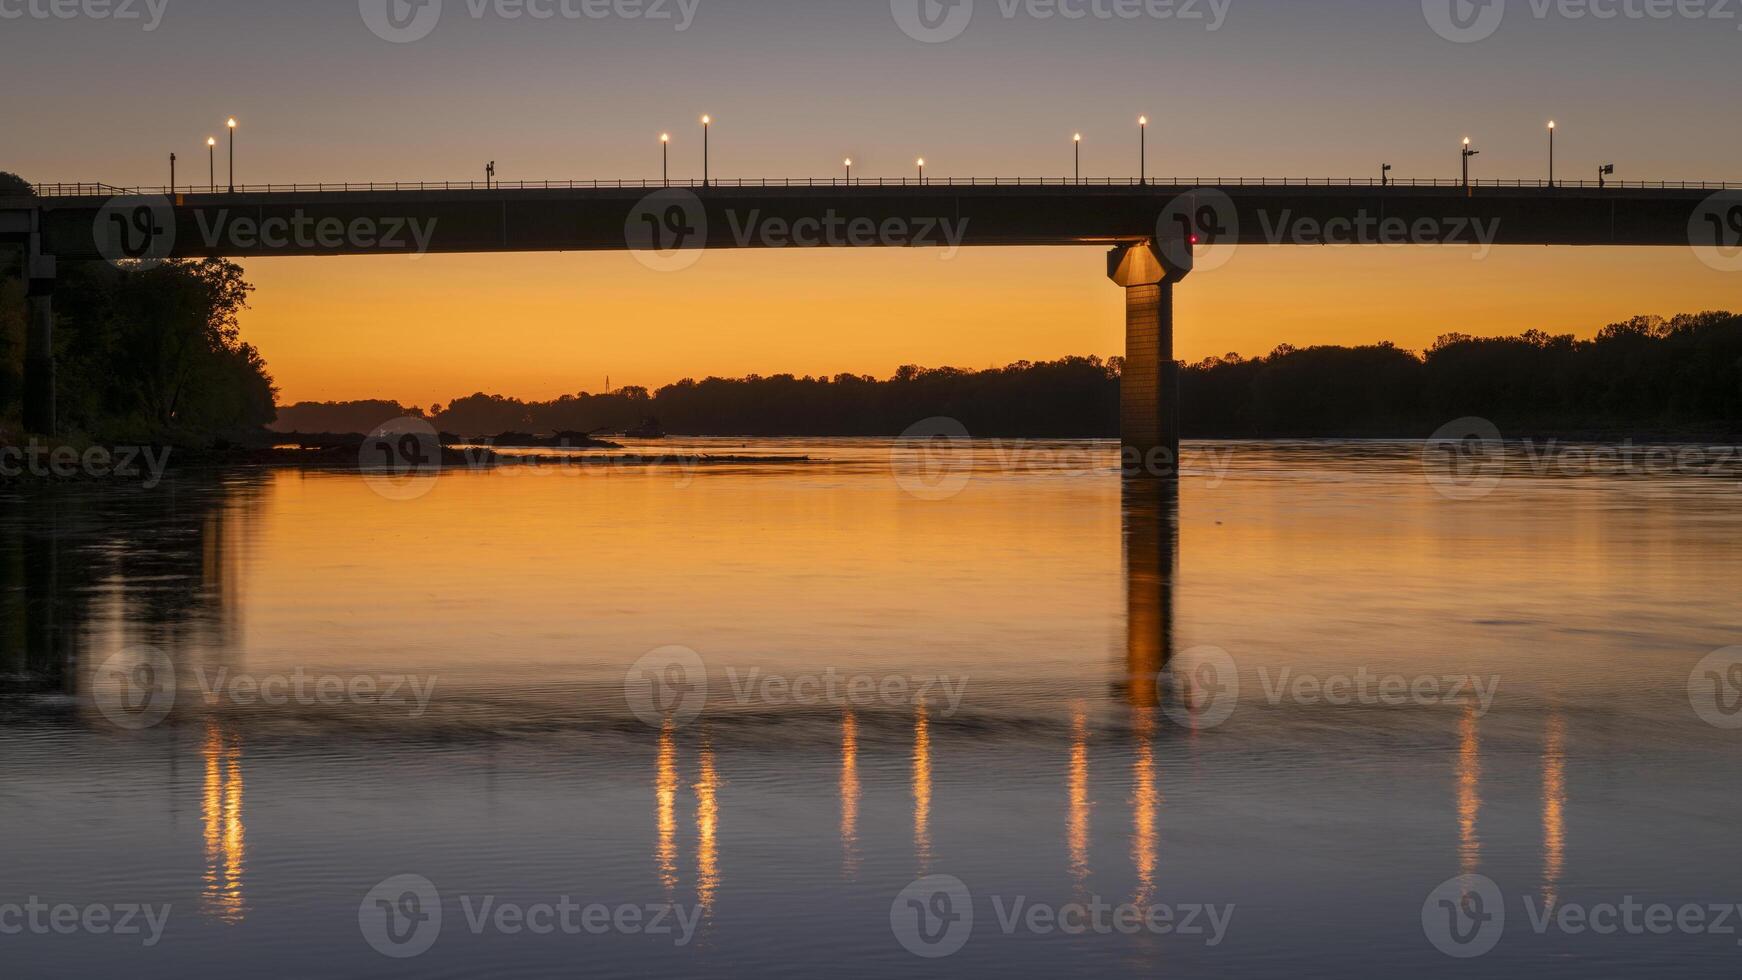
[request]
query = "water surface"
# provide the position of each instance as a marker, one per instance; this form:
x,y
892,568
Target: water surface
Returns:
x,y
1050,648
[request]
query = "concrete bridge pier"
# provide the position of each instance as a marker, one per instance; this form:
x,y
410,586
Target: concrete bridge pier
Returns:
x,y
1149,423
39,394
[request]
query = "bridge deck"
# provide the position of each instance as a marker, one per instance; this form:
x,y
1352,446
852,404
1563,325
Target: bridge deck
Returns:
x,y
348,219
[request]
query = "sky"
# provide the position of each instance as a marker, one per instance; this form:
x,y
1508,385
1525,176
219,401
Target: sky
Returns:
x,y
1277,88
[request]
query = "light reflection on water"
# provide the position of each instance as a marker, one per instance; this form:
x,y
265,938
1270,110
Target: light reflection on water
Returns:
x,y
1554,803
850,791
221,813
1470,792
922,788
665,788
1145,805
1059,594
1077,833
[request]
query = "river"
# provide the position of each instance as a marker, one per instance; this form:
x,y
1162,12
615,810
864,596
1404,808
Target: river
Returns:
x,y
853,707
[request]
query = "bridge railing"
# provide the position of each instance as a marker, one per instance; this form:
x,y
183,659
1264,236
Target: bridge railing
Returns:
x,y
78,190
81,190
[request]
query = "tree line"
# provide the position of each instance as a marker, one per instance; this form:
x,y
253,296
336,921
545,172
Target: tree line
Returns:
x,y
1647,375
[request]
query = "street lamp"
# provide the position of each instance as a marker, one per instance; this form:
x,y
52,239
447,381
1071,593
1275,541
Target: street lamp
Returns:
x,y
1551,129
172,175
849,171
707,127
1606,170
489,174
1385,175
1143,149
665,158
232,155
212,161
922,170
1468,153
1078,141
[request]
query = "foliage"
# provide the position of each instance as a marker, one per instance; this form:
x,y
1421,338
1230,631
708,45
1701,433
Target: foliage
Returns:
x,y
1665,375
155,353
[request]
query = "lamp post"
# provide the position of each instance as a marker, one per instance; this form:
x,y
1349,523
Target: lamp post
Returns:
x,y
922,170
1468,153
1385,175
665,158
1606,170
232,125
1551,129
489,175
1143,149
849,171
707,127
1077,140
212,161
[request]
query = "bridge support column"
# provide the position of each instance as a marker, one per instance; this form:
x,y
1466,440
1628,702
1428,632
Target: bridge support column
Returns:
x,y
39,396
1149,420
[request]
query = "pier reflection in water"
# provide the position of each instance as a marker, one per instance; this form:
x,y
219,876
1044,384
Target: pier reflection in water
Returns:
x,y
1150,532
1150,510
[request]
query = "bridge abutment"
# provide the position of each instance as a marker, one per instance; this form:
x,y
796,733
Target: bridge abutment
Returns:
x,y
1149,417
39,335
39,387
39,397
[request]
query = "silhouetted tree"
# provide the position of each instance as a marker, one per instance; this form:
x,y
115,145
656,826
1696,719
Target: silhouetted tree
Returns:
x,y
1682,373
157,353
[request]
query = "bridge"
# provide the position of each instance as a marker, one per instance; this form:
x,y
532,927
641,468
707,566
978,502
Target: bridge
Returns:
x,y
1155,232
